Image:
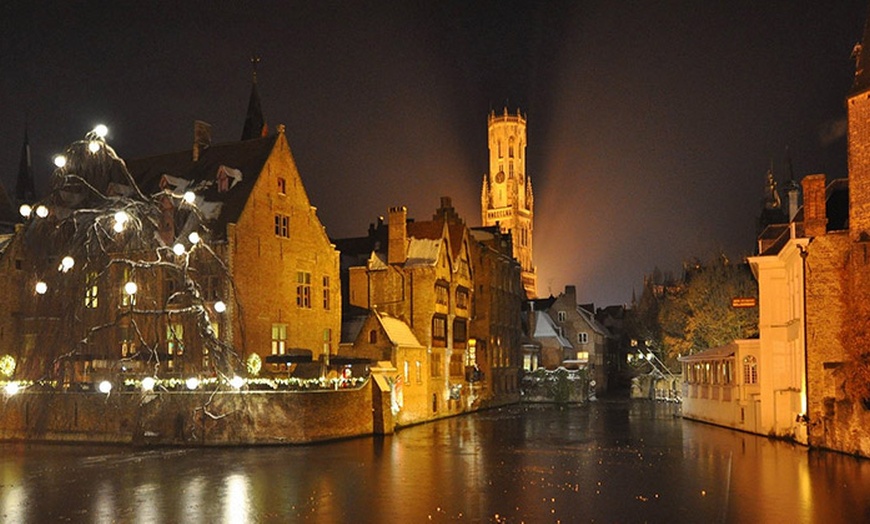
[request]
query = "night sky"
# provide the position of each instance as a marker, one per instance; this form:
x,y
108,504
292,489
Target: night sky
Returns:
x,y
651,125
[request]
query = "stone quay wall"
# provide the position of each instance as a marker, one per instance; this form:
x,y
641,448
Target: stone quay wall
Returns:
x,y
188,418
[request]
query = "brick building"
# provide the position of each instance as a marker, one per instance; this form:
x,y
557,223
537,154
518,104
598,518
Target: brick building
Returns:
x,y
247,239
496,326
814,276
420,273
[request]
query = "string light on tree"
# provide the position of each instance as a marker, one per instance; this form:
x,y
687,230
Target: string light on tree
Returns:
x,y
220,306
41,288
25,210
41,211
189,197
105,387
148,384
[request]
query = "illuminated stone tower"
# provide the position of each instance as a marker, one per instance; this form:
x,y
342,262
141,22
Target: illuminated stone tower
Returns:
x,y
506,198
858,105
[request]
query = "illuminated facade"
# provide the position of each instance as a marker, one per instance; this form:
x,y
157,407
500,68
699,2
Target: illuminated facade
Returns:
x,y
506,198
419,273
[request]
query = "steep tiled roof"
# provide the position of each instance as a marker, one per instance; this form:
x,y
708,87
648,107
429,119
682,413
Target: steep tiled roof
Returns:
x,y
248,157
545,328
399,333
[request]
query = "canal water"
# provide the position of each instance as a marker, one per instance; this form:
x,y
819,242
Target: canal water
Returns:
x,y
609,461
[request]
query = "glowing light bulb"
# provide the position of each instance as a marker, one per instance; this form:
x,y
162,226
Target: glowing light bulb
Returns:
x,y
192,383
12,388
101,130
122,217
178,249
220,306
105,386
237,382
194,238
189,197
59,160
67,263
148,384
131,288
41,287
41,211
25,210
93,146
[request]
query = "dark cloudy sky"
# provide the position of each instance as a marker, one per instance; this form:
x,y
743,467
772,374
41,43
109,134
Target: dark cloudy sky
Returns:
x,y
651,124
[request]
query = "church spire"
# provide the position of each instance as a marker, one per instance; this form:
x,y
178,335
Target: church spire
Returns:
x,y
25,190
255,123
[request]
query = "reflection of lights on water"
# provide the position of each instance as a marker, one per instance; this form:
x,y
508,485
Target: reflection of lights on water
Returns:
x,y
236,499
104,502
13,499
194,496
147,503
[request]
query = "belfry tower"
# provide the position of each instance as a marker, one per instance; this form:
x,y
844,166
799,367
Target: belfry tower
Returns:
x,y
506,198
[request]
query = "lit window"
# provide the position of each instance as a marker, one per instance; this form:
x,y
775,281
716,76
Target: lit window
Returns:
x,y
279,339
750,370
175,339
303,289
582,355
92,291
282,225
471,353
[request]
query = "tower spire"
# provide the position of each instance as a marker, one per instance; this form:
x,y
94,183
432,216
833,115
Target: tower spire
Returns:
x,y
255,123
25,189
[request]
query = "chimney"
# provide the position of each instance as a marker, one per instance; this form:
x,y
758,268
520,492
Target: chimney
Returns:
x,y
571,293
815,215
398,235
201,137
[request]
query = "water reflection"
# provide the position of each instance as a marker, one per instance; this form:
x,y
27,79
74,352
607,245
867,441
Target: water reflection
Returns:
x,y
612,461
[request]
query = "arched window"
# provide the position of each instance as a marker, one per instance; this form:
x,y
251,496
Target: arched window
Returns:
x,y
750,370
373,336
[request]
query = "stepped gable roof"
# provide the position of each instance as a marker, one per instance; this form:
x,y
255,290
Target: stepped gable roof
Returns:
x,y
862,62
247,157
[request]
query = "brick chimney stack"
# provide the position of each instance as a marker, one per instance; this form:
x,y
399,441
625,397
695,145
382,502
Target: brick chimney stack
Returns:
x,y
815,213
398,235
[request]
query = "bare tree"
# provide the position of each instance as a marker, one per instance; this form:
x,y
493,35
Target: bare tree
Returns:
x,y
119,281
